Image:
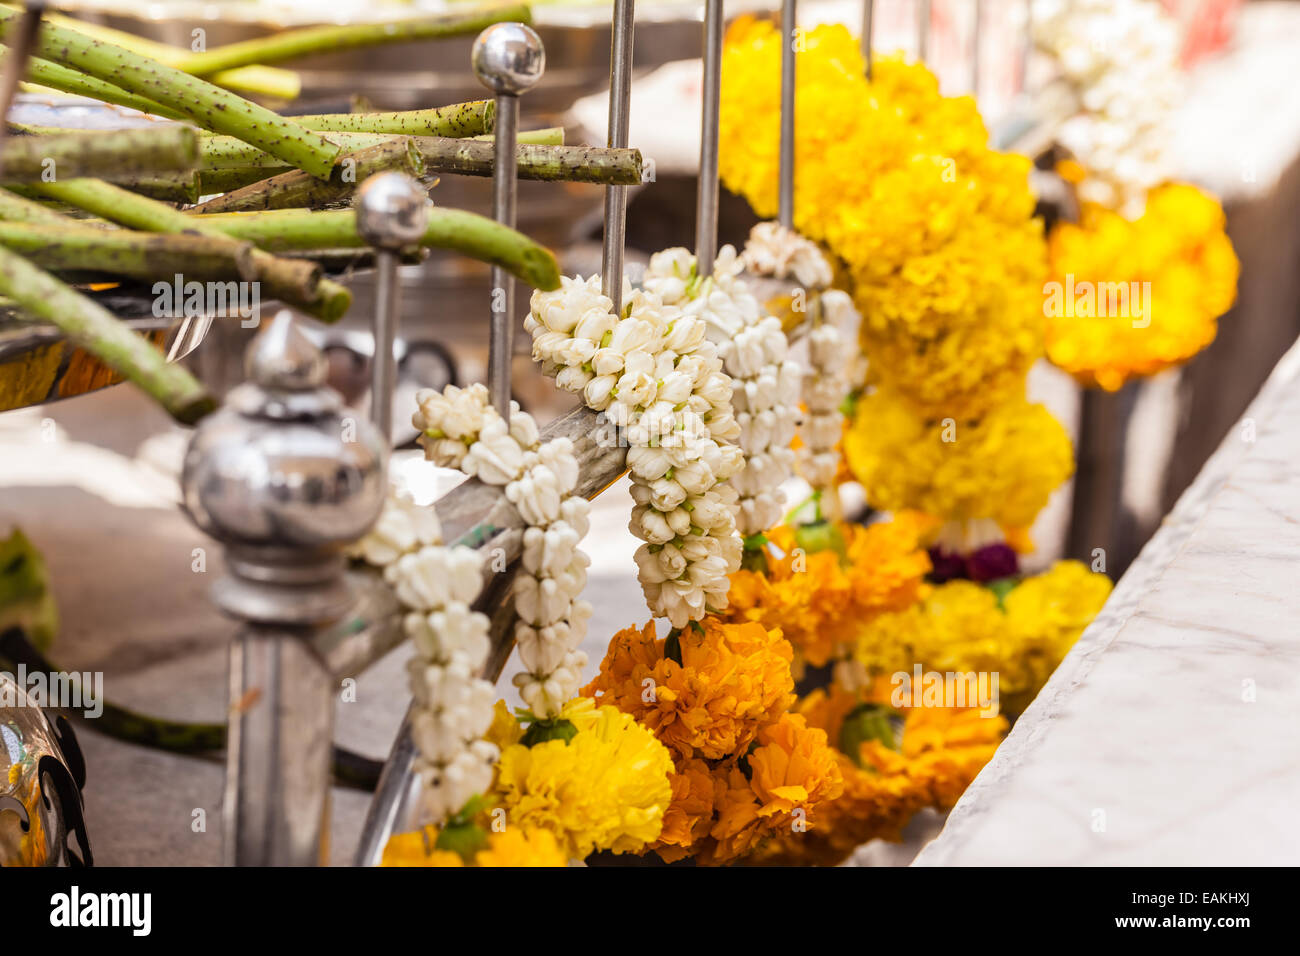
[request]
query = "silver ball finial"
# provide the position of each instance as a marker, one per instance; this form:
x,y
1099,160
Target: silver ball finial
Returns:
x,y
283,359
392,211
508,58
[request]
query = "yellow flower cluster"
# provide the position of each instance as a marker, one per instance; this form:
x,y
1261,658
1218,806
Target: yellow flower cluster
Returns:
x,y
1134,297
940,752
961,627
1003,465
819,599
935,228
513,846
606,788
717,695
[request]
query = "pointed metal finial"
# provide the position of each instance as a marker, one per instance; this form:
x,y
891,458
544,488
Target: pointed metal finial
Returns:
x,y
283,359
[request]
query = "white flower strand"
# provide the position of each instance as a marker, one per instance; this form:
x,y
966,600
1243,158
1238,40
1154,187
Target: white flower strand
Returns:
x,y
773,250
765,383
453,706
825,386
459,428
654,374
1120,60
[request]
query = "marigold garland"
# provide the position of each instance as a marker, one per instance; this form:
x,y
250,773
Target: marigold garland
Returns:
x,y
1003,465
936,229
962,627
819,599
1169,273
940,752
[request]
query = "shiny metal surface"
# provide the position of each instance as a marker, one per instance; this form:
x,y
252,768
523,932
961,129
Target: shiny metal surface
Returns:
x,y
923,19
40,788
508,58
785,190
706,195
392,212
620,111
868,30
284,476
977,39
283,464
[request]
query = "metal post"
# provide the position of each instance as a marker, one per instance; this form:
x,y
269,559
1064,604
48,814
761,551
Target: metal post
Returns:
x,y
508,59
923,30
706,196
868,28
785,197
392,212
1026,49
977,30
620,110
283,476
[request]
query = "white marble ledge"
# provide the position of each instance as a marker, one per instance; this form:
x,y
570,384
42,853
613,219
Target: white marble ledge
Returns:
x,y
1171,733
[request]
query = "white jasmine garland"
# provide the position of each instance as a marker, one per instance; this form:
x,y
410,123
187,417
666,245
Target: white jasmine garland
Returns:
x,y
1119,59
654,374
453,705
825,386
765,384
773,250
459,427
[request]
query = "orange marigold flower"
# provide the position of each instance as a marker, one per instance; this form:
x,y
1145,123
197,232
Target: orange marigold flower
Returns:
x,y
941,751
733,679
690,816
820,600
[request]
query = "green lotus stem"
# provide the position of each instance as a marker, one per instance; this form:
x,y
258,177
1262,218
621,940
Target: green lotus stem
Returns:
x,y
295,188
574,164
546,136
209,106
420,156
465,232
175,188
14,208
296,282
128,152
121,252
226,152
94,328
290,44
457,120
65,80
253,80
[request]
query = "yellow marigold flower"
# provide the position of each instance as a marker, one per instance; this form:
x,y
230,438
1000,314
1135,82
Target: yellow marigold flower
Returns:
x,y
1003,465
733,680
1133,297
516,846
504,729
819,600
960,627
513,846
417,848
605,789
935,229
